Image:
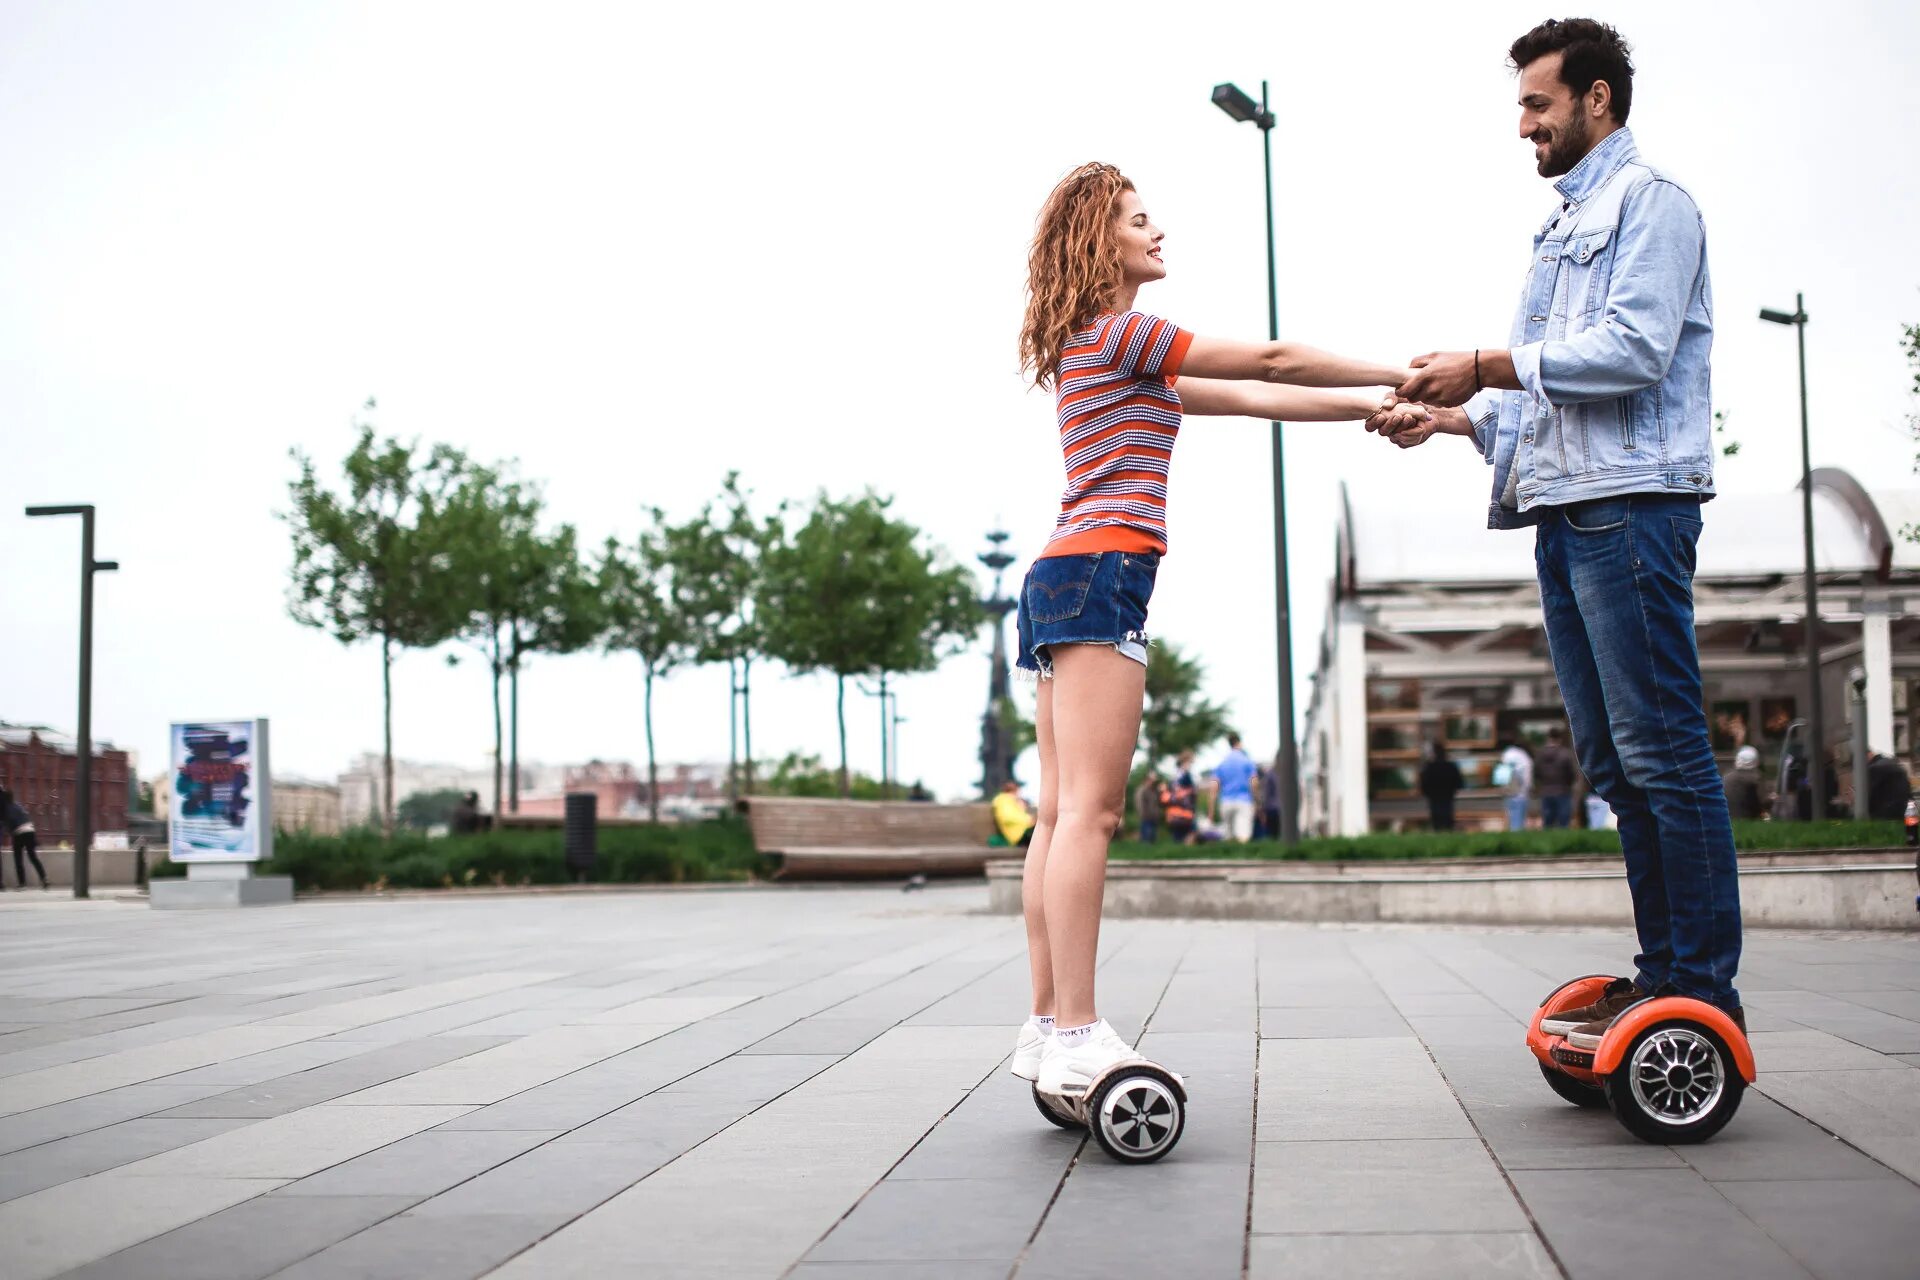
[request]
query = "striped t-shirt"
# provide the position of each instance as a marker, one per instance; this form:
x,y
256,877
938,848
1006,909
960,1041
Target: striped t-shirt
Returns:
x,y
1119,415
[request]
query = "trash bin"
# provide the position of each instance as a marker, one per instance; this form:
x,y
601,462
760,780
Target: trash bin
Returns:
x,y
582,826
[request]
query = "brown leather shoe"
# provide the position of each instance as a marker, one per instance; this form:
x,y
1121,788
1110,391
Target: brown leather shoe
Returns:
x,y
1618,995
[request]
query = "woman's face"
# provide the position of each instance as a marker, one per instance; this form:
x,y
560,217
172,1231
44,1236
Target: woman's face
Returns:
x,y
1139,241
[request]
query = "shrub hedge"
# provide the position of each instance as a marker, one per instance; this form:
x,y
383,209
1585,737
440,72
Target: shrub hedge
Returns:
x,y
666,854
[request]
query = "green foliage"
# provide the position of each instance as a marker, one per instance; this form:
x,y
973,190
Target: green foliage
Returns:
x,y
1732,447
799,774
638,616
1910,343
1753,837
706,851
851,592
1177,717
425,809
373,561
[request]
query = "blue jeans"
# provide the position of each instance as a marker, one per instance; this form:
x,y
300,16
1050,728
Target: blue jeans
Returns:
x,y
1516,813
1616,584
1556,811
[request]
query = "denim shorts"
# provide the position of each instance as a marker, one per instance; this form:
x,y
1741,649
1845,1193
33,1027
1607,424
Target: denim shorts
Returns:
x,y
1098,598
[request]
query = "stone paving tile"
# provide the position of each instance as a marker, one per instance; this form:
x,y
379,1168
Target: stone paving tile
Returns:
x,y
1437,1185
1583,1213
1805,1050
1836,1228
952,1219
250,1240
78,1222
51,1163
822,1035
366,1067
1514,1254
421,1165
1354,1089
947,1269
1768,1143
1882,1032
66,1119
294,1145
563,1179
415,1248
1877,1111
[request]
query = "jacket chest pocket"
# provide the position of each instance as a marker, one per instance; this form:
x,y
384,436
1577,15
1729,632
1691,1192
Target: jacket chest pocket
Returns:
x,y
1589,263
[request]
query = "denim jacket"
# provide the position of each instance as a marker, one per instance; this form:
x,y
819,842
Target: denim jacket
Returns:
x,y
1611,343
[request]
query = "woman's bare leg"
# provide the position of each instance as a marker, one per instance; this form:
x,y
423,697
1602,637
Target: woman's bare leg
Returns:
x,y
1034,876
1096,728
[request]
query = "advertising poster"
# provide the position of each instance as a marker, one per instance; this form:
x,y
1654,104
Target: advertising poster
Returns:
x,y
221,803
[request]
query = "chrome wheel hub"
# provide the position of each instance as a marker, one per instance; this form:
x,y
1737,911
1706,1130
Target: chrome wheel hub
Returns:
x,y
1677,1075
1140,1116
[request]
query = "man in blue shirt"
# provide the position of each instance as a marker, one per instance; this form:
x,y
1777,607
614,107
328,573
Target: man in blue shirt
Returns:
x,y
1233,791
1596,419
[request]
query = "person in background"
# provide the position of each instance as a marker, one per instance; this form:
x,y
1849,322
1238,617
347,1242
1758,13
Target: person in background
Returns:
x,y
1181,800
1515,777
1146,804
1888,788
1269,793
26,842
1012,816
1233,792
1440,781
1743,786
1553,776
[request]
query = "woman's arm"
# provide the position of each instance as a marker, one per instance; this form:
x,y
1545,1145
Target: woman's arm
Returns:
x,y
1215,397
1290,362
1299,404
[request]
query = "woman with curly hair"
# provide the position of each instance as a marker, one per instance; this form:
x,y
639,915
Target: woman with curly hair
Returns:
x,y
1121,380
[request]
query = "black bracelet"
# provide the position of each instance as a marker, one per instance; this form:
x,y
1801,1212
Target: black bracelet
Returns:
x,y
1476,369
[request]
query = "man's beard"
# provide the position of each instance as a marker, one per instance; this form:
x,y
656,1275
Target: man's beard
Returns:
x,y
1568,148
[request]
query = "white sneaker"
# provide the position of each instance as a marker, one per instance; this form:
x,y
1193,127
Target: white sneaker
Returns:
x,y
1068,1071
1028,1050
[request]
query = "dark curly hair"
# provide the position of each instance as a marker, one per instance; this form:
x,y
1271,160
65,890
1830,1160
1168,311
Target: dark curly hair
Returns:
x,y
1592,51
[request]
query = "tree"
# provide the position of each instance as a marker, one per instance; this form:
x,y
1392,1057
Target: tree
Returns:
x,y
556,612
424,809
851,592
1177,717
717,560
373,561
1910,343
638,616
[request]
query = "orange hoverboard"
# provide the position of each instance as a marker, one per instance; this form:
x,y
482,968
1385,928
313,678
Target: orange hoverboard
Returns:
x,y
1671,1068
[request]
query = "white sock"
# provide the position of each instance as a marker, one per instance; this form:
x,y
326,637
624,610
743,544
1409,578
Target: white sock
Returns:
x,y
1068,1037
1041,1022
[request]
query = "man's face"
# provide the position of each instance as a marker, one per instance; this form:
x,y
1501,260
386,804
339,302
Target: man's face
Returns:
x,y
1557,123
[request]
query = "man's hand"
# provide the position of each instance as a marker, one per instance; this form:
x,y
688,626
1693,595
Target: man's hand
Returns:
x,y
1440,377
1450,378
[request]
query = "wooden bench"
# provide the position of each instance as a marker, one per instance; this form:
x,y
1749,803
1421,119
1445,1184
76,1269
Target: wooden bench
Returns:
x,y
871,837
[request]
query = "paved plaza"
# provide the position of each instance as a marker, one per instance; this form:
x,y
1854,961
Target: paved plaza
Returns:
x,y
812,1083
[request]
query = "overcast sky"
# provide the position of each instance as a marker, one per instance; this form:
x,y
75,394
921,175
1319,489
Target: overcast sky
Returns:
x,y
637,246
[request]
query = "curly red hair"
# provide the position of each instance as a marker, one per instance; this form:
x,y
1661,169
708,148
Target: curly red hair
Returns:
x,y
1073,267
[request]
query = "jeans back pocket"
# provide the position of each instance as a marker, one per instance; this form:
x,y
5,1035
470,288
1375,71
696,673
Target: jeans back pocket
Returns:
x,y
1057,587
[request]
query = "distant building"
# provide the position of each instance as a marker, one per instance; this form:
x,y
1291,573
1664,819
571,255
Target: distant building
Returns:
x,y
1434,632
360,784
41,768
307,806
686,790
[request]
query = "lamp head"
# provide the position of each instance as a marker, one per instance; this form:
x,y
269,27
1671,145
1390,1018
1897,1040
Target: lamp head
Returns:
x,y
1236,102
1781,317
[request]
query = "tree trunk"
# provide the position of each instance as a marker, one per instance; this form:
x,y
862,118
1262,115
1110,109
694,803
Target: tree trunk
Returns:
x,y
840,706
493,660
746,717
733,736
653,769
386,704
886,769
513,727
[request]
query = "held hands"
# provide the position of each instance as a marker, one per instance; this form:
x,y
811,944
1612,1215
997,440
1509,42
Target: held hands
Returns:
x,y
1443,378
1396,417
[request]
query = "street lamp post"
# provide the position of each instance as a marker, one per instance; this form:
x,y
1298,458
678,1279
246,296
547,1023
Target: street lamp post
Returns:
x,y
83,771
1233,100
1816,726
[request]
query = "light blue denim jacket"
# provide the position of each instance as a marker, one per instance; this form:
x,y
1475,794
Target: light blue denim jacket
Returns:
x,y
1611,343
